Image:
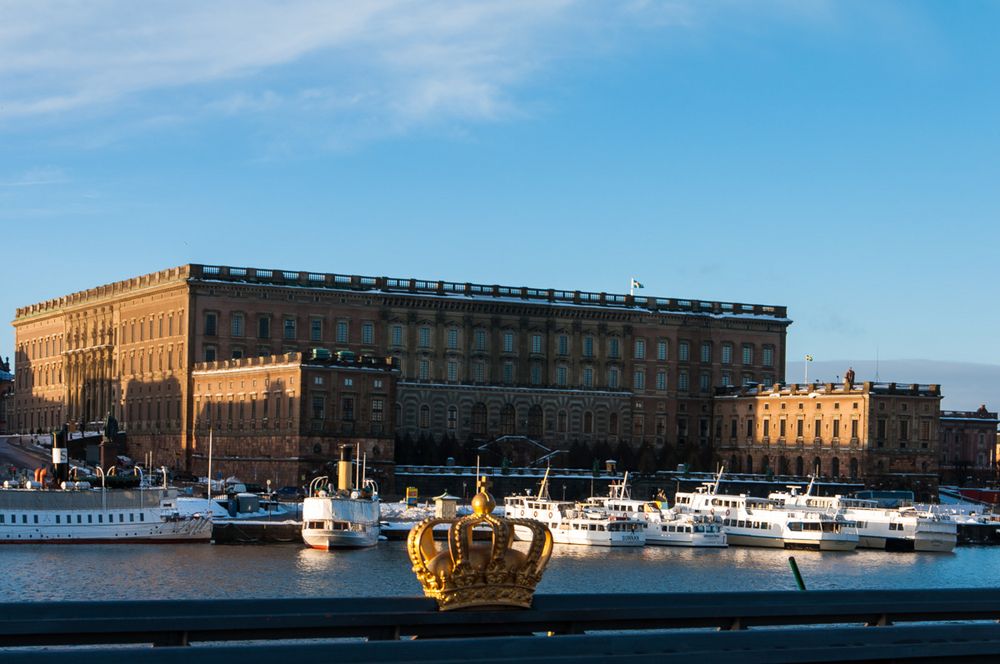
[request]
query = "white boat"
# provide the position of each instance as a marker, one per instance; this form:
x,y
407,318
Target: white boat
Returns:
x,y
901,529
662,527
80,514
573,523
764,522
342,519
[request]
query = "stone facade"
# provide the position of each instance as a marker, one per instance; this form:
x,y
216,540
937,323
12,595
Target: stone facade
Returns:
x,y
968,445
6,396
476,360
884,434
285,417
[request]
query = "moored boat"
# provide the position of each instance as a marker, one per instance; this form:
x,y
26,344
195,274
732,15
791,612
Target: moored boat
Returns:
x,y
345,518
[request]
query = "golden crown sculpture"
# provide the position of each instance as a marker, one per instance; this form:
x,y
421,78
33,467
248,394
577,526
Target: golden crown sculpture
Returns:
x,y
470,574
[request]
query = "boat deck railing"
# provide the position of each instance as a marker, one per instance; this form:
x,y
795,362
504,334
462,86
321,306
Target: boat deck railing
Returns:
x,y
776,626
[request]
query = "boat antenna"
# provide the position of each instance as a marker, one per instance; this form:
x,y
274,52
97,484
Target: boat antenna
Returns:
x,y
357,466
364,468
718,478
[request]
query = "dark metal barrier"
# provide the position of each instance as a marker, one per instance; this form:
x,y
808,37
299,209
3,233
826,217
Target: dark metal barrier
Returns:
x,y
578,625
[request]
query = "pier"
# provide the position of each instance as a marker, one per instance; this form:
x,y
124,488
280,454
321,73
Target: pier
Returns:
x,y
782,626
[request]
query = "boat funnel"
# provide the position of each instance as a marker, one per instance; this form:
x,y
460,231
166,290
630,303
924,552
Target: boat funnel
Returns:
x,y
345,470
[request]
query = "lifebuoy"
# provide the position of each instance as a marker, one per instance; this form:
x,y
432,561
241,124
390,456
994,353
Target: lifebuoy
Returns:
x,y
535,514
522,512
550,515
728,512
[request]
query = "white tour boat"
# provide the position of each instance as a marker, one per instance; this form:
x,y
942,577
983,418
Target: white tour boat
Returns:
x,y
763,522
574,523
78,513
663,527
902,529
342,519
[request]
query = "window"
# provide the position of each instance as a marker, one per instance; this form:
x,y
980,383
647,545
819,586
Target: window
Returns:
x,y
237,326
727,353
536,344
210,353
368,333
424,337
452,417
706,352
397,335
661,380
817,428
264,327
563,344
661,350
237,353
727,378
640,349
211,324
588,346
904,430
639,380
343,331
508,341
704,382
536,374
452,371
588,377
452,338
747,354
799,426
423,370
288,328
478,372
378,410
614,348
613,378
508,372
480,338
318,407
683,351
836,428
768,356
561,376
347,409
479,419
683,381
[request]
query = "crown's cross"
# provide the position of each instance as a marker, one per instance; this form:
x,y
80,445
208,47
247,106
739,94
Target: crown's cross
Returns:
x,y
483,484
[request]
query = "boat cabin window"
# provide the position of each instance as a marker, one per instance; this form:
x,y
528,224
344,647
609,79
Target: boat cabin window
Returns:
x,y
90,518
142,516
58,517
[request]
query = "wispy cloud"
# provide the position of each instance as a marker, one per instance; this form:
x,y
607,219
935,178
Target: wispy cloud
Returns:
x,y
36,177
395,63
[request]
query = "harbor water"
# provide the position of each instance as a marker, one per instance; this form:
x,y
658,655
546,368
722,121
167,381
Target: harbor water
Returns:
x,y
48,572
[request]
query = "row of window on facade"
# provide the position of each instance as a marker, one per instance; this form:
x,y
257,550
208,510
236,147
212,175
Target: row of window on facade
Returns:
x,y
155,327
586,376
289,328
480,339
784,466
233,410
881,428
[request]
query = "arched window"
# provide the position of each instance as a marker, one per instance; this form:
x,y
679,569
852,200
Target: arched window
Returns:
x,y
749,467
800,466
425,417
765,464
536,421
562,421
479,419
835,467
817,466
613,424
782,466
508,416
734,464
588,422
854,468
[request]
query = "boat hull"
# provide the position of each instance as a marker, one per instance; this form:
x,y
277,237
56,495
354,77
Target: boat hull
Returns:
x,y
341,539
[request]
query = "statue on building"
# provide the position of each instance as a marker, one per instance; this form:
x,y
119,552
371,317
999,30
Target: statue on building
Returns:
x,y
849,378
5,365
110,428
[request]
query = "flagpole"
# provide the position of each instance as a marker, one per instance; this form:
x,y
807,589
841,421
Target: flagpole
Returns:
x,y
631,286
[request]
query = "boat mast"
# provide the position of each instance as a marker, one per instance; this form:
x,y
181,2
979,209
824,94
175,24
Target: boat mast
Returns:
x,y
208,503
543,490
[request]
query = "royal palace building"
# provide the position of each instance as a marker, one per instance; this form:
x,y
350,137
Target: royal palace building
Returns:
x,y
884,434
472,360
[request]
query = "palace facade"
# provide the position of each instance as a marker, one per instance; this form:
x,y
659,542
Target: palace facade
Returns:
x,y
968,445
474,360
885,434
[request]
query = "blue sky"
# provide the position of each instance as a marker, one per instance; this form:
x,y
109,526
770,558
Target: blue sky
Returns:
x,y
839,158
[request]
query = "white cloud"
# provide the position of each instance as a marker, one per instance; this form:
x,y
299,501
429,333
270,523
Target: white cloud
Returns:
x,y
394,63
36,177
